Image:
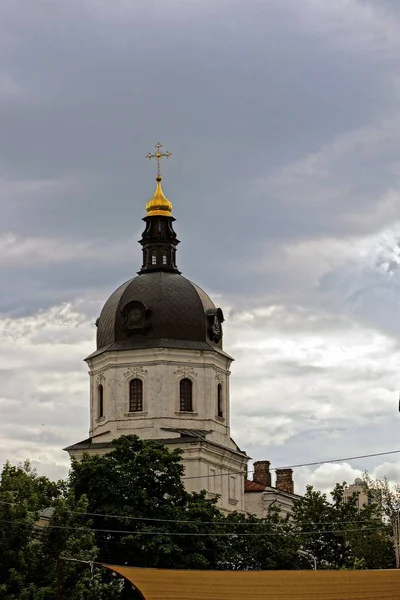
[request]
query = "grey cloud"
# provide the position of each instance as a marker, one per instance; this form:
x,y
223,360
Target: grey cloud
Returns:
x,y
389,8
282,124
239,107
44,438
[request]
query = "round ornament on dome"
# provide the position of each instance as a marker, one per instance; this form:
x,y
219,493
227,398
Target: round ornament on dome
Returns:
x,y
135,319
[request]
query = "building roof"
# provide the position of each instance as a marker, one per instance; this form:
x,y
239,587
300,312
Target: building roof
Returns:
x,y
158,306
253,486
160,584
185,436
196,433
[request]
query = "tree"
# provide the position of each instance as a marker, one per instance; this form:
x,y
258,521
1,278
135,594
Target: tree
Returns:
x,y
22,495
386,497
259,544
144,517
127,507
29,549
130,507
142,513
69,537
339,534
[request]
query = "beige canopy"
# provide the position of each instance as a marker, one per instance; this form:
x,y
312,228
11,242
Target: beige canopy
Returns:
x,y
160,584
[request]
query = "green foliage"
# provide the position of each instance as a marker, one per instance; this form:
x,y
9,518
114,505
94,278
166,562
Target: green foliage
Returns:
x,y
259,544
339,533
384,495
130,507
22,495
137,488
29,548
359,564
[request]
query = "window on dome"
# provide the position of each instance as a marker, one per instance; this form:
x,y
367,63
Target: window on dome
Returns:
x,y
100,400
135,395
154,257
185,395
220,406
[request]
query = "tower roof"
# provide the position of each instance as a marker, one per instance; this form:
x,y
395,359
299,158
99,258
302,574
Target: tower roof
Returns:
x,y
159,205
159,307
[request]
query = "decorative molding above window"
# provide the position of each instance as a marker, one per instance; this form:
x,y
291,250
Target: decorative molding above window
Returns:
x,y
135,371
185,371
100,379
219,376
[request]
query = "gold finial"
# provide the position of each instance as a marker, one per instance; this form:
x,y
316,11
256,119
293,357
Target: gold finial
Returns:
x,y
159,204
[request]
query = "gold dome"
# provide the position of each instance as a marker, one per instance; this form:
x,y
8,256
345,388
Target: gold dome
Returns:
x,y
159,204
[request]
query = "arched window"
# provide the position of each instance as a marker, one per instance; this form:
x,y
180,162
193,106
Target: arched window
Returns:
x,y
100,400
164,258
185,395
220,406
154,257
135,395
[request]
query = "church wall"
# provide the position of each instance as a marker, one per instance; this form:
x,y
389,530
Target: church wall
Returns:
x,y
216,466
216,470
160,371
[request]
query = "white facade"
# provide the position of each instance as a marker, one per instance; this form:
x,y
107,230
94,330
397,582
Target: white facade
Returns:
x,y
160,370
211,459
259,503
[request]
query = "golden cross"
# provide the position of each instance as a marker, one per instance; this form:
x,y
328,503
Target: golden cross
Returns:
x,y
158,156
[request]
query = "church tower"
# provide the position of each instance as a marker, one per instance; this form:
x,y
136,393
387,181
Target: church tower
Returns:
x,y
160,371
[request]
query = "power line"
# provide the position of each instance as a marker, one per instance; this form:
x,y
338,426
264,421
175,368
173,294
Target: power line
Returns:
x,y
297,466
323,462
294,466
192,534
221,523
193,522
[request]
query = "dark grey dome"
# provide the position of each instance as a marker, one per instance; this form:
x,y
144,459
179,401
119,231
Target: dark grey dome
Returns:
x,y
159,309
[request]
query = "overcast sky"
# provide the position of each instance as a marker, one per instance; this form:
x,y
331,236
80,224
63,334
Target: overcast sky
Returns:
x,y
283,119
